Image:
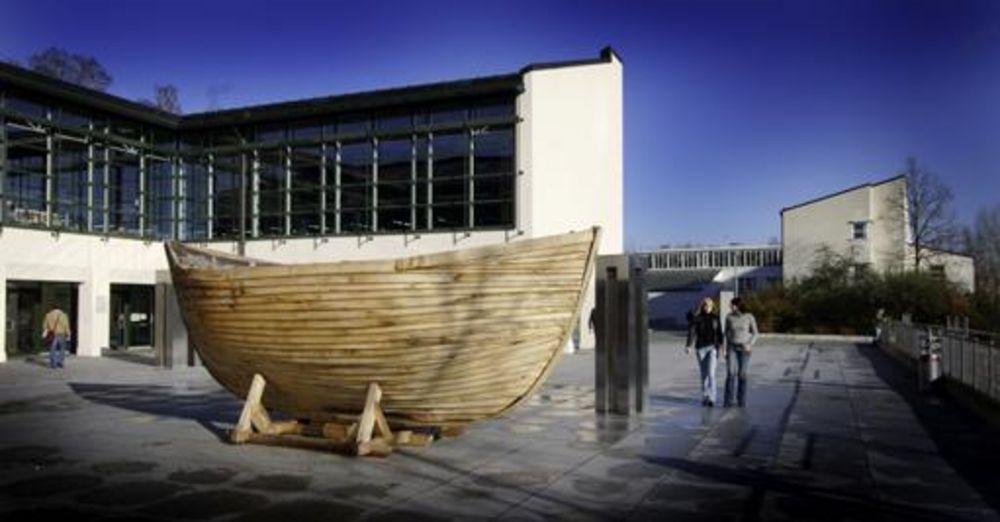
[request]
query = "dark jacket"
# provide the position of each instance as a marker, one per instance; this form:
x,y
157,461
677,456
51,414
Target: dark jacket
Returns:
x,y
704,330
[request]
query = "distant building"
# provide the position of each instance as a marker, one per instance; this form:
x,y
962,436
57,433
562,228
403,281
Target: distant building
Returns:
x,y
869,225
679,278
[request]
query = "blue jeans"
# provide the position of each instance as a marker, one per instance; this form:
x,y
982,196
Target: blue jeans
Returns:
x,y
737,365
57,351
707,356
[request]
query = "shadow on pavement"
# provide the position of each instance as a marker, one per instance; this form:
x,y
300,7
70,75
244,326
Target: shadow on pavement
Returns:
x,y
962,438
206,409
143,357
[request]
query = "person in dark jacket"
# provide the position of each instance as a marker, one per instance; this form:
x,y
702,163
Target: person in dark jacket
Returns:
x,y
705,335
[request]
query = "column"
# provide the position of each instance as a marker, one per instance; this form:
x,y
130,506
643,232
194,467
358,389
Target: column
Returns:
x,y
94,301
3,314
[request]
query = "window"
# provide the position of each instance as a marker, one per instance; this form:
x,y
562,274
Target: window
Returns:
x,y
494,177
159,197
938,271
306,186
69,185
440,166
746,285
355,187
271,192
450,181
859,229
125,192
25,177
395,159
226,196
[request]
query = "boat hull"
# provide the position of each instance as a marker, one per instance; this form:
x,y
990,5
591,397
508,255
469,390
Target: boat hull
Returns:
x,y
451,338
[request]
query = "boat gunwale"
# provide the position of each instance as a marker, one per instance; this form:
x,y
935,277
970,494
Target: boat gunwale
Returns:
x,y
263,269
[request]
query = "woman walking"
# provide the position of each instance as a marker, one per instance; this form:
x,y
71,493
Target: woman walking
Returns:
x,y
741,335
705,334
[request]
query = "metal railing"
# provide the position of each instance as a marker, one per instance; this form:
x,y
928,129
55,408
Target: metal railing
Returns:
x,y
968,357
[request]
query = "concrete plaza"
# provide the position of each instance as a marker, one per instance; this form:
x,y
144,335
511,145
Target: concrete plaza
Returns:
x,y
831,432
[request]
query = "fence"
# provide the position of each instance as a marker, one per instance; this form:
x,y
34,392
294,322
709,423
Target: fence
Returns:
x,y
968,357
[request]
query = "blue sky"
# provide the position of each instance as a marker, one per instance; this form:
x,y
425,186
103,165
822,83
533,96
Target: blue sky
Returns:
x,y
733,110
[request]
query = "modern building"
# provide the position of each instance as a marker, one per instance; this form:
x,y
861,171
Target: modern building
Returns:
x,y
92,184
869,225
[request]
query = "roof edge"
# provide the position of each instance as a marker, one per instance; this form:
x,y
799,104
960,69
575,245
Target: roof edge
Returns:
x,y
31,80
606,55
870,184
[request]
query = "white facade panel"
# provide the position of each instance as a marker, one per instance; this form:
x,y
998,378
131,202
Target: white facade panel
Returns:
x,y
91,261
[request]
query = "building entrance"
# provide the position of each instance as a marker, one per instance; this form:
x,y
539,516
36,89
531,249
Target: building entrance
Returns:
x,y
131,316
27,304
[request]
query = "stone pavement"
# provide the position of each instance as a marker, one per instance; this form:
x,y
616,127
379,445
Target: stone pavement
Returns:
x,y
831,432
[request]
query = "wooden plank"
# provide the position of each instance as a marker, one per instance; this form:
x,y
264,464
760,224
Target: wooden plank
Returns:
x,y
377,447
244,426
366,423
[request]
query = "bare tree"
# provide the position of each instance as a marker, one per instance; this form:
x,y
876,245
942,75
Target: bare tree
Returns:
x,y
927,205
166,99
74,68
983,242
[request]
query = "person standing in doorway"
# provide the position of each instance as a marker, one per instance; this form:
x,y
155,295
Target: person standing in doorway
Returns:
x,y
741,335
705,335
56,333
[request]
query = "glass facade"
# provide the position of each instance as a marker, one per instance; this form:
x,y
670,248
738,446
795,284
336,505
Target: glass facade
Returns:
x,y
409,169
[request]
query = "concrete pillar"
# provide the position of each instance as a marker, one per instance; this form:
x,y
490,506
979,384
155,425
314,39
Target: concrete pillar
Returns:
x,y
172,346
94,301
3,314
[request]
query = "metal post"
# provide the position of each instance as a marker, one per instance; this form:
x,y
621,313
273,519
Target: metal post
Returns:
x,y
49,171
471,185
255,195
322,189
413,183
142,187
621,358
337,189
210,195
106,189
241,248
90,177
181,231
374,185
430,181
288,190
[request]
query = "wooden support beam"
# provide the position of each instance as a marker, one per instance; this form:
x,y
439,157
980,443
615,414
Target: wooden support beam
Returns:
x,y
366,424
369,436
244,427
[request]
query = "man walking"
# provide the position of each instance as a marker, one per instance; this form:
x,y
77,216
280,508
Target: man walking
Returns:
x,y
56,334
741,335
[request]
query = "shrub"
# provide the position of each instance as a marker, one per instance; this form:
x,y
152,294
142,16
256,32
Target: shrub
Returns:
x,y
838,298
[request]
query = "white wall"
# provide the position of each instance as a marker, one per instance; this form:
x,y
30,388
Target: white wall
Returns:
x,y
91,261
571,155
958,269
828,223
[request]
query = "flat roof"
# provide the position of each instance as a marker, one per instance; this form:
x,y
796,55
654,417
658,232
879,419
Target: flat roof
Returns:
x,y
842,192
511,83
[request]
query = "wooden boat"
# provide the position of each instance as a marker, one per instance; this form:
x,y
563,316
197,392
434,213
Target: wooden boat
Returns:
x,y
450,338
